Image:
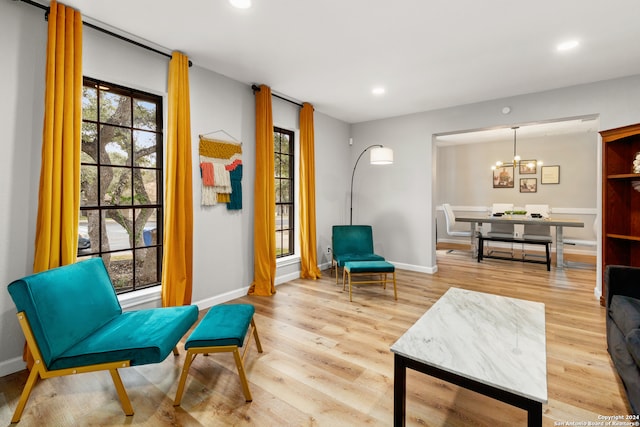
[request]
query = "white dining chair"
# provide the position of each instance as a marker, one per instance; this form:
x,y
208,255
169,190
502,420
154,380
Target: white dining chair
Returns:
x,y
501,230
501,208
543,210
450,218
537,231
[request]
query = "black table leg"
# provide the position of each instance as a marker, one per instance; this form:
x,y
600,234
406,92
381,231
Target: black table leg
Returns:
x,y
548,250
534,415
399,390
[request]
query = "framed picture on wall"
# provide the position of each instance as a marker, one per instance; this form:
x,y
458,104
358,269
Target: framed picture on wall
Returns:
x,y
528,185
503,177
528,167
550,174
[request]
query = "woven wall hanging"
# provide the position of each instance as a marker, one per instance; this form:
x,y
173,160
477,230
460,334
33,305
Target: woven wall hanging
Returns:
x,y
221,172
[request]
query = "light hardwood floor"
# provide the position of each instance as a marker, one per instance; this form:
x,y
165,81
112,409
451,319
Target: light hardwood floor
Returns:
x,y
326,361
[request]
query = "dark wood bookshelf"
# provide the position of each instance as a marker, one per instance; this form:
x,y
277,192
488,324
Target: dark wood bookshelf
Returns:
x,y
620,201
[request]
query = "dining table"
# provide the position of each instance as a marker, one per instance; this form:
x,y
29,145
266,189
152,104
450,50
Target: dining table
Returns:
x,y
558,223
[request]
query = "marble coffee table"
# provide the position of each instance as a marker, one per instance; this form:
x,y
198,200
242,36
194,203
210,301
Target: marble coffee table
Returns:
x,y
487,343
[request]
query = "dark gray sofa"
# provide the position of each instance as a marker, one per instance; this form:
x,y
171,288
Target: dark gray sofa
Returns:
x,y
623,327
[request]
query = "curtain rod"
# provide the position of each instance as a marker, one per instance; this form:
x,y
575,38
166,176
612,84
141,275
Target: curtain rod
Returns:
x,y
256,88
103,30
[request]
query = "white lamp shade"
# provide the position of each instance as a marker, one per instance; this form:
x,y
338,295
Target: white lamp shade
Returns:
x,y
381,156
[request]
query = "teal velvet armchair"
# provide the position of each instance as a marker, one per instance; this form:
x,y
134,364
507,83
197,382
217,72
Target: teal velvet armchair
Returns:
x,y
352,243
73,323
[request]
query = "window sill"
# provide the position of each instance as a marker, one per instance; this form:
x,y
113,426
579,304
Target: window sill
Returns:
x,y
143,296
287,260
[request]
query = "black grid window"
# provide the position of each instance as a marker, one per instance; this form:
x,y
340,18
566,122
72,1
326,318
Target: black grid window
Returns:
x,y
283,141
121,183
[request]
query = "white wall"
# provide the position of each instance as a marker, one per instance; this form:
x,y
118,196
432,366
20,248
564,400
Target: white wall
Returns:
x,y
22,30
221,236
223,239
333,174
396,199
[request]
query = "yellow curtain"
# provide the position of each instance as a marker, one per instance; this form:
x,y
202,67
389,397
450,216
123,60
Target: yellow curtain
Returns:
x,y
177,260
308,251
56,241
59,194
264,216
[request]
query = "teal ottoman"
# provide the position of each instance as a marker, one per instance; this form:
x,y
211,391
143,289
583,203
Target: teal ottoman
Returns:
x,y
222,329
368,268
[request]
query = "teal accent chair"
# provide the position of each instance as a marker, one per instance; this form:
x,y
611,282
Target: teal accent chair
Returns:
x,y
352,243
73,323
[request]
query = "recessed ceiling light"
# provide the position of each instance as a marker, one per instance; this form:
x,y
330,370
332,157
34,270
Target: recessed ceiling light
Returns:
x,y
568,45
379,90
241,4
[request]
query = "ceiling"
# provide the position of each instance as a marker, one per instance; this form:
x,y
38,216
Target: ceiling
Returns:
x,y
427,54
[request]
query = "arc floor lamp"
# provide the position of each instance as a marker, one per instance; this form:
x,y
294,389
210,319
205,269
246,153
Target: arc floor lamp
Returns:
x,y
379,155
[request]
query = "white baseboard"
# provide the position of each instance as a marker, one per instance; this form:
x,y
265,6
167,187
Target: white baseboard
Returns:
x,y
287,277
597,292
221,299
12,366
325,266
237,293
417,268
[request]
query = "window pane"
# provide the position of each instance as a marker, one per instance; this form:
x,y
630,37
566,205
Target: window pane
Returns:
x,y
144,114
88,185
278,243
146,186
285,188
85,244
286,250
89,152
276,141
115,143
146,228
115,185
285,167
282,243
117,237
115,108
284,143
285,216
277,161
277,190
146,149
121,271
89,224
147,271
89,103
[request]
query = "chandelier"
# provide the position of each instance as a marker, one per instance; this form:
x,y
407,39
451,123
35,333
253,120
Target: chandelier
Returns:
x,y
516,157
